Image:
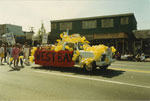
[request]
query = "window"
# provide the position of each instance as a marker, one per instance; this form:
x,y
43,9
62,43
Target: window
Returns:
x,y
53,26
71,45
124,20
89,24
107,23
65,26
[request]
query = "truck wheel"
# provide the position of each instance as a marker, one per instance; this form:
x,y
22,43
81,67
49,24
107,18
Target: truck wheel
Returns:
x,y
90,67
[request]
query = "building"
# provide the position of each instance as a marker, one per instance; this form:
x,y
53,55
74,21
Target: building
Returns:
x,y
142,41
15,29
114,30
28,36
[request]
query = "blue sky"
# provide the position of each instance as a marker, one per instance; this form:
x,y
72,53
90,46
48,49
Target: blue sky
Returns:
x,y
27,13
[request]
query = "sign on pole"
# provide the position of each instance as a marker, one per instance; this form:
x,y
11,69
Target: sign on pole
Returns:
x,y
10,38
44,38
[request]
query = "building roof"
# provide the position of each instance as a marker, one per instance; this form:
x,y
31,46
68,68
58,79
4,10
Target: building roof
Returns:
x,y
142,34
87,18
16,30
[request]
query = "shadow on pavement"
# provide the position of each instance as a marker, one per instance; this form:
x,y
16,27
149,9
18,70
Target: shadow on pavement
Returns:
x,y
109,73
16,69
13,70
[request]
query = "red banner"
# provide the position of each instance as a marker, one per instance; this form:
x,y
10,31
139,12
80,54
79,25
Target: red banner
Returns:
x,y
52,58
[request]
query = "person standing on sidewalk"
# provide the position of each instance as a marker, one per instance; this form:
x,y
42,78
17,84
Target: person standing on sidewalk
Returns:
x,y
15,55
26,54
21,55
8,54
2,52
11,57
5,52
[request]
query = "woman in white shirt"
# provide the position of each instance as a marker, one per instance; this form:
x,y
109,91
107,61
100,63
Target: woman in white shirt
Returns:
x,y
26,54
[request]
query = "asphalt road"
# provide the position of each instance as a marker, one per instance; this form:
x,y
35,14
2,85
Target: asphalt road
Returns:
x,y
122,81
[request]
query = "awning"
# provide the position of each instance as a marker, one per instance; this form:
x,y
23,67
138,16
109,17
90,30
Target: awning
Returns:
x,y
111,36
141,34
88,37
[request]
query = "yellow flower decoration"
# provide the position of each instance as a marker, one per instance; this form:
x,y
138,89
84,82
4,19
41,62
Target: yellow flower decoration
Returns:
x,y
113,49
61,35
58,48
58,40
75,56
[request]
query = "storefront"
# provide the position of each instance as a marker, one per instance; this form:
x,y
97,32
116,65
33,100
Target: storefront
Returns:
x,y
142,41
119,40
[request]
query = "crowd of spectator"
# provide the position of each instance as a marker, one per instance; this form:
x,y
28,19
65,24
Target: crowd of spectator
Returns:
x,y
130,57
16,55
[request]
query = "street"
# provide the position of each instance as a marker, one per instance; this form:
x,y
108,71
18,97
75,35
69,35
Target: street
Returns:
x,y
123,80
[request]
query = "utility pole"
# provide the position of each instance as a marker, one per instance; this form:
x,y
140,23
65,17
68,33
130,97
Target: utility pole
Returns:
x,y
31,29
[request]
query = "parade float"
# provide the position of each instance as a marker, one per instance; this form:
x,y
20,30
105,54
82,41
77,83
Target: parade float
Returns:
x,y
73,51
